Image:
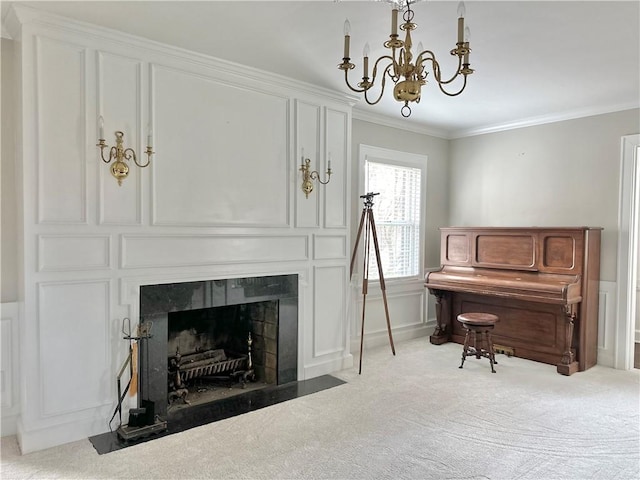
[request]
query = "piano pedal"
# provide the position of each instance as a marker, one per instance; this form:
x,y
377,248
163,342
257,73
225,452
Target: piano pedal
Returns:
x,y
508,351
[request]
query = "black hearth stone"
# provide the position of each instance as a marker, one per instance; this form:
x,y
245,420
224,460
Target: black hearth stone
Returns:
x,y
219,410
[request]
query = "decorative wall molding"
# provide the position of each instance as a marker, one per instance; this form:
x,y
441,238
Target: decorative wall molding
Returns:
x,y
336,203
204,209
628,244
329,247
329,307
120,80
68,377
73,252
143,251
60,139
607,323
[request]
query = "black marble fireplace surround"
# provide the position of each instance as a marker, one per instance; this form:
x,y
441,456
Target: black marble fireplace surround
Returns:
x,y
219,314
200,300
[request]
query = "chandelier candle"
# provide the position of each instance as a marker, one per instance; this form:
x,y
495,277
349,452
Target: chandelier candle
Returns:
x,y
407,74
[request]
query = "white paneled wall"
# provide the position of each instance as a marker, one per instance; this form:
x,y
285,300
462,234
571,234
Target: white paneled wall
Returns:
x,y
220,199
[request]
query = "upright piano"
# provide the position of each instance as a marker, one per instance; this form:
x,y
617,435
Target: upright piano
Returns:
x,y
541,282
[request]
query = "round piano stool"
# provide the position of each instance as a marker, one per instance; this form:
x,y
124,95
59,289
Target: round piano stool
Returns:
x,y
474,324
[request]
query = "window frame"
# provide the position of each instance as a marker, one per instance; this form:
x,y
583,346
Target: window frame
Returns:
x,y
402,159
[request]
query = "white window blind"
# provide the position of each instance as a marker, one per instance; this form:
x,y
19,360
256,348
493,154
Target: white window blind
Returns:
x,y
397,216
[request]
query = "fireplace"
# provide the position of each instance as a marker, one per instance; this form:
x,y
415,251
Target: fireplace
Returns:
x,y
210,340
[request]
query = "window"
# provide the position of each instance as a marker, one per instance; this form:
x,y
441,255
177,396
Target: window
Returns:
x,y
398,210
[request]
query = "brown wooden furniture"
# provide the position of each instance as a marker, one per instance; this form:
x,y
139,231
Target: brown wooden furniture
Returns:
x,y
541,282
478,323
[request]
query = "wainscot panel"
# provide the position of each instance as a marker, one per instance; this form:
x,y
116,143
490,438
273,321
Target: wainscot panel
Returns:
x,y
329,330
74,345
9,368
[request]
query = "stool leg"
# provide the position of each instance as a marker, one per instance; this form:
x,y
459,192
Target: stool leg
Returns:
x,y
465,348
492,355
475,343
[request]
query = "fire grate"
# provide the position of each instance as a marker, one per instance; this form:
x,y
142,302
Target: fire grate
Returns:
x,y
193,366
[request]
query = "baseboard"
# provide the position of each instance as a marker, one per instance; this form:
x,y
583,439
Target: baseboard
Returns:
x,y
372,340
327,367
9,425
47,437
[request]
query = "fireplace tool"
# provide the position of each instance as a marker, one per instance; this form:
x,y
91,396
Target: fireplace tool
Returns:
x,y
369,224
142,421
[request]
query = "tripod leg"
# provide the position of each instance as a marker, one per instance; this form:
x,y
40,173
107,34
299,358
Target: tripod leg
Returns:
x,y
381,275
355,247
365,286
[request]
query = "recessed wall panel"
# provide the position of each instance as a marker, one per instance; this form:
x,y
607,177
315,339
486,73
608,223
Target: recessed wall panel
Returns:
x,y
221,153
62,119
119,87
73,332
329,247
329,310
182,250
70,252
335,192
308,146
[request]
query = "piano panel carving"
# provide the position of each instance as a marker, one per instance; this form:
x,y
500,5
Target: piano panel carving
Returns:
x,y
541,282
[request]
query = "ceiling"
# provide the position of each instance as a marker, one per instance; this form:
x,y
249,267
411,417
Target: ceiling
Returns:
x,y
534,62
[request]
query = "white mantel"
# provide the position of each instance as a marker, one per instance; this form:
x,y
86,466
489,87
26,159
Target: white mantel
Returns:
x,y
221,199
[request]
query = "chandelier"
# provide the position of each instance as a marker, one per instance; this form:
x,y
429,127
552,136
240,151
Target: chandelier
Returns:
x,y
406,71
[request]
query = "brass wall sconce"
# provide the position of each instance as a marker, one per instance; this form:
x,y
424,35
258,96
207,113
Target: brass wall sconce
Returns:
x,y
121,155
309,176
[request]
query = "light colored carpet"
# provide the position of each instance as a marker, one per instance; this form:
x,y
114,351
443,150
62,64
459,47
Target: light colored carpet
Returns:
x,y
415,415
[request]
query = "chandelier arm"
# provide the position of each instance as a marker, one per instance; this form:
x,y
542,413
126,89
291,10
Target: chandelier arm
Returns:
x,y
464,84
346,79
382,85
393,64
435,67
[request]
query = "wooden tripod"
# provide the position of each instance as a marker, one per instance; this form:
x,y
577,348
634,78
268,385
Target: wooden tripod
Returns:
x,y
369,224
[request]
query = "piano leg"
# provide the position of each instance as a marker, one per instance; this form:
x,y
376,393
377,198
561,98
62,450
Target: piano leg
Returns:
x,y
568,364
443,314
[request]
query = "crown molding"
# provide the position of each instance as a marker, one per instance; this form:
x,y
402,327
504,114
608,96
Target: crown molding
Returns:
x,y
544,119
387,121
27,15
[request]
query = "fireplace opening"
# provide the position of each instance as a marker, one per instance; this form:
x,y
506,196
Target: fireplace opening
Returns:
x,y
215,339
220,352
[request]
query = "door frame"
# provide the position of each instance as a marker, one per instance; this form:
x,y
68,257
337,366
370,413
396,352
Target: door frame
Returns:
x,y
628,233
